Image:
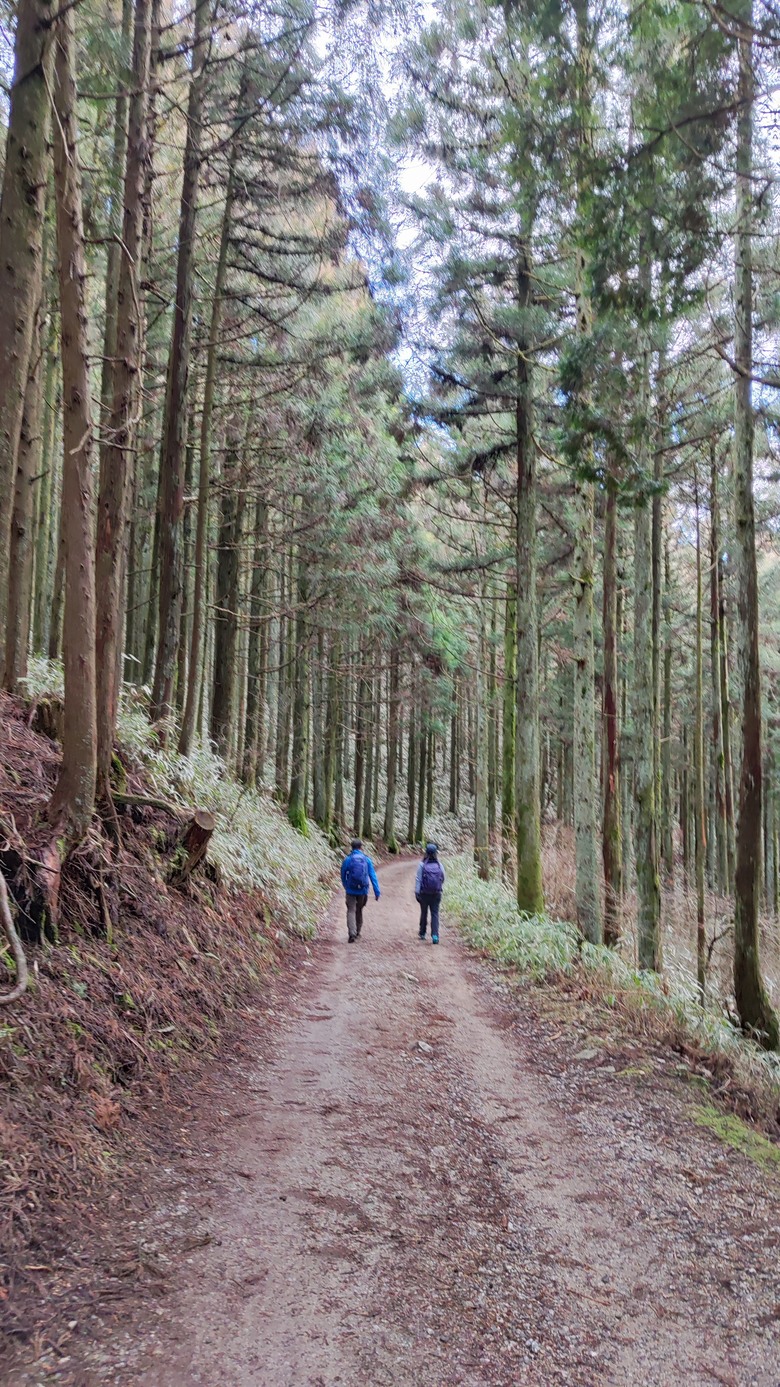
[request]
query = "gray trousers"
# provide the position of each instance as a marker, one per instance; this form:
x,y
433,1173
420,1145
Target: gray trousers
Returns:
x,y
355,914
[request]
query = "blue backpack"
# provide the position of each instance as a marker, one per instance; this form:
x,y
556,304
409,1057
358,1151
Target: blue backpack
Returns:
x,y
356,875
432,878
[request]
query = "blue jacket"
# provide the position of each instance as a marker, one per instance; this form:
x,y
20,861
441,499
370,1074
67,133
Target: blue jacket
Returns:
x,y
371,872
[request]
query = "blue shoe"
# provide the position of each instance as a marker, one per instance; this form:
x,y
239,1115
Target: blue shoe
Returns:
x,y
434,938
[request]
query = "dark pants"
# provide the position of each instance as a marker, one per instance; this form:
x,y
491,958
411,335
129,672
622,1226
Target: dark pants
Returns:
x,y
355,914
429,900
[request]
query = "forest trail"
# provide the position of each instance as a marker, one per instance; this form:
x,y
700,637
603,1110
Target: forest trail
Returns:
x,y
417,1185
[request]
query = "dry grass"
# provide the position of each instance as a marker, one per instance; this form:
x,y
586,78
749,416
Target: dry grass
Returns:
x,y
118,1020
678,920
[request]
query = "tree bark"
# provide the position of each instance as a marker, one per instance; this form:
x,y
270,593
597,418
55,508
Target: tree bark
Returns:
x,y
718,753
22,211
175,424
206,431
47,526
193,844
296,810
227,597
508,741
257,657
20,568
645,702
422,773
455,739
73,801
667,819
755,1011
611,838
392,751
360,743
587,901
530,892
698,764
481,832
118,452
114,249
411,770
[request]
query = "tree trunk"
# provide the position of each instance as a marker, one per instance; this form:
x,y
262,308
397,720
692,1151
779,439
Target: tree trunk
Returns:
x,y
258,645
118,453
22,211
587,902
611,846
333,722
685,818
455,753
317,757
481,839
530,893
698,764
360,743
422,771
296,809
73,801
193,844
725,719
411,770
718,755
206,431
175,425
337,703
492,722
46,527
667,819
227,596
20,568
392,751
755,1010
282,686
366,827
114,250
644,701
508,740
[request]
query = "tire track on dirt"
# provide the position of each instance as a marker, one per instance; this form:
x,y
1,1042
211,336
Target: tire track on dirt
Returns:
x,y
381,1213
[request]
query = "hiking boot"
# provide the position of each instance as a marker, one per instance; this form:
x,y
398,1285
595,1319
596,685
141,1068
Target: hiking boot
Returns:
x,y
421,935
351,938
434,938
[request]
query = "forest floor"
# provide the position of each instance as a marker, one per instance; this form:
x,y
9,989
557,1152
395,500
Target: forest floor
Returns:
x,y
425,1175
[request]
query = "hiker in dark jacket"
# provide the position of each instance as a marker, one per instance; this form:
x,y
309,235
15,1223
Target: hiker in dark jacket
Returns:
x,y
357,870
427,889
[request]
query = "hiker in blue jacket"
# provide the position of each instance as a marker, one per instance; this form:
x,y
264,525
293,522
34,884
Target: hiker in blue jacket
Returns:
x,y
427,889
357,870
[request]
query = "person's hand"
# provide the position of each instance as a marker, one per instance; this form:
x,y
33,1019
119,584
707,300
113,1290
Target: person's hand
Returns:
x,y
417,897
377,894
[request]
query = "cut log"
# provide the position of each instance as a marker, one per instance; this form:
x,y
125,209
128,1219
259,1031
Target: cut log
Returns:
x,y
192,844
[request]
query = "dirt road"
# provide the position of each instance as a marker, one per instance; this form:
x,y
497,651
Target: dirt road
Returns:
x,y
417,1185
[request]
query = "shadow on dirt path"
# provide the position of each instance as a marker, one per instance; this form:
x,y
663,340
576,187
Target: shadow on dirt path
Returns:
x,y
414,1186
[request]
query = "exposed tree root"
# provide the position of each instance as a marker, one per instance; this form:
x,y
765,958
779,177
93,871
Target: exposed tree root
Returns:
x,y
22,975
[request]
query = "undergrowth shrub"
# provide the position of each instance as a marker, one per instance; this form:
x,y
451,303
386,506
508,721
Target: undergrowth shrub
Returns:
x,y
541,948
254,845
